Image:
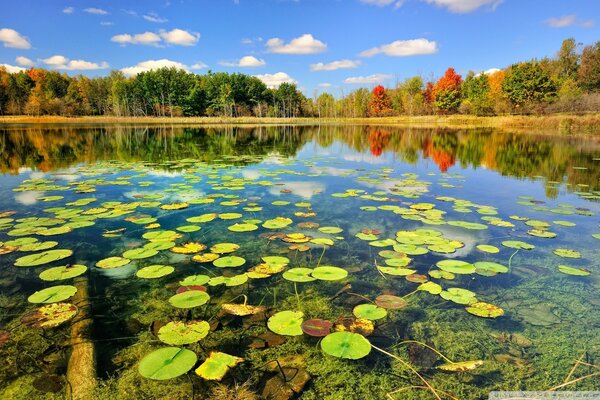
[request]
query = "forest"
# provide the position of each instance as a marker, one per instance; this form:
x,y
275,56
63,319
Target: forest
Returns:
x,y
567,82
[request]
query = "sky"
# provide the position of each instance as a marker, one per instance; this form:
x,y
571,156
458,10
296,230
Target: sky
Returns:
x,y
321,45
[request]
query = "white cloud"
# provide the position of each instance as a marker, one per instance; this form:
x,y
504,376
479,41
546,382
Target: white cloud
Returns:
x,y
153,17
275,80
246,61
375,78
324,85
561,22
62,62
107,23
146,38
490,71
199,65
305,44
95,11
332,66
24,61
383,3
403,48
68,10
12,69
180,37
588,23
464,6
14,39
148,65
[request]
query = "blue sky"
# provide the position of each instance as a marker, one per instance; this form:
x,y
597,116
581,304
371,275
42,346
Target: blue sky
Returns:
x,y
332,45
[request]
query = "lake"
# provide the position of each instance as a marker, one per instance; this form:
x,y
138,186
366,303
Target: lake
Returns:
x,y
322,262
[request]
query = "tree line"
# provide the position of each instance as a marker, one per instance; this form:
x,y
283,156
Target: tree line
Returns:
x,y
570,81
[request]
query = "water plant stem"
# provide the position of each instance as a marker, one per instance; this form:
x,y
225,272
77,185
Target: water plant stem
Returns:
x,y
297,297
510,259
429,347
320,258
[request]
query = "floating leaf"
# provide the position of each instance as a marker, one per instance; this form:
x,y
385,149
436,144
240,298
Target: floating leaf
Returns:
x,y
567,253
565,269
195,280
189,248
346,345
138,254
38,246
243,227
488,248
517,244
394,271
188,228
330,229
468,225
167,363
52,294
287,323
242,309
461,366
369,311
430,287
299,275
459,296
112,262
178,333
50,316
223,248
45,257
317,327
390,302
216,365
485,310
329,273
64,272
154,271
205,258
277,223
229,262
189,299
456,266
488,268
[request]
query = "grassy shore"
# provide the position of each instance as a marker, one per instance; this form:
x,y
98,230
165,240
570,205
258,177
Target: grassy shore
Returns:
x,y
555,123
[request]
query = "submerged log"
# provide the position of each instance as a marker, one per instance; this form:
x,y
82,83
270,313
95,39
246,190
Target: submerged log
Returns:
x,y
81,370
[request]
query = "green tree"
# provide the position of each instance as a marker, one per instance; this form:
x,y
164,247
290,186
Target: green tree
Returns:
x,y
476,94
589,71
527,83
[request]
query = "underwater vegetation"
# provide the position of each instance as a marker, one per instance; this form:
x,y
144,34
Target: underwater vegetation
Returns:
x,y
298,271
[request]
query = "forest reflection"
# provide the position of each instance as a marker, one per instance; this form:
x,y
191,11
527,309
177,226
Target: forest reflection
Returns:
x,y
556,159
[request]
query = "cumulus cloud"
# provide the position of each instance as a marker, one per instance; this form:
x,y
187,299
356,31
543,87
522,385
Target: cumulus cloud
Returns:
x,y
332,66
305,44
383,3
180,37
68,10
146,38
403,48
24,61
14,39
375,78
153,64
107,23
324,85
568,20
95,11
199,65
12,68
247,61
62,62
464,6
153,17
276,79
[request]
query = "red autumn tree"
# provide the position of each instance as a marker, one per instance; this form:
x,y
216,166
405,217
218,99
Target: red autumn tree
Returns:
x,y
380,104
429,93
378,140
447,91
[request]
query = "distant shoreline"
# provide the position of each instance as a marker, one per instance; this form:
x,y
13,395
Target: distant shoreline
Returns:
x,y
554,123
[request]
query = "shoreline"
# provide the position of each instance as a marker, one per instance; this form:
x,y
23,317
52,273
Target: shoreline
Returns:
x,y
557,123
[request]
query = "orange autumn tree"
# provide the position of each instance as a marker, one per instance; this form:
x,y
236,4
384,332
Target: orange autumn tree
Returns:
x,y
378,140
447,91
380,104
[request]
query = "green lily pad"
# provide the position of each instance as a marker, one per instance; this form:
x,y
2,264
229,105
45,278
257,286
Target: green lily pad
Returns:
x,y
456,266
229,262
565,269
488,268
224,248
188,228
52,294
276,260
439,274
287,323
64,272
277,223
395,271
189,299
330,229
322,241
369,311
38,246
236,280
159,245
346,345
459,296
382,243
45,257
154,271
298,275
112,262
398,261
329,273
216,366
243,227
161,236
541,233
167,363
468,225
50,315
517,244
202,218
178,333
138,254
567,253
430,287
195,280
486,248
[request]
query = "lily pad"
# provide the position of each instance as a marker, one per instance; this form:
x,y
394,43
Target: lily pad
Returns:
x,y
45,257
317,327
346,345
456,266
461,366
277,223
299,275
167,363
52,294
224,248
229,262
205,258
430,287
287,323
178,333
242,309
64,272
195,280
458,296
112,262
488,268
486,248
329,273
216,365
50,316
567,253
189,248
138,254
517,244
243,227
565,269
189,299
154,272
390,302
485,310
369,311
